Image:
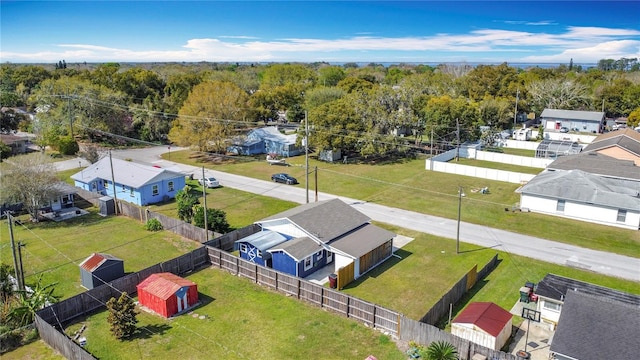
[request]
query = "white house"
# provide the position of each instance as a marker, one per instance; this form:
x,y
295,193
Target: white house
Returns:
x,y
582,121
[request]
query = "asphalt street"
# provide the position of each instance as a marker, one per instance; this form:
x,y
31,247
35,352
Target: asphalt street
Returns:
x,y
529,246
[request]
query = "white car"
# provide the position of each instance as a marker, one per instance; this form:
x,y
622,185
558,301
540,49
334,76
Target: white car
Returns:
x,y
209,182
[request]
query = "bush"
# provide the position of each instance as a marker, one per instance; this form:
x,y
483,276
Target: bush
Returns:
x,y
153,225
67,145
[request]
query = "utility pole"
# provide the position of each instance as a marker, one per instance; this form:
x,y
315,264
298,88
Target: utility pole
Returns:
x,y
460,195
515,113
316,181
306,153
13,250
113,180
457,139
70,117
21,279
204,196
431,146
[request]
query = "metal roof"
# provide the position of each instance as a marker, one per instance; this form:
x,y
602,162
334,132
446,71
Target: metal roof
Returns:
x,y
362,240
598,164
163,285
595,328
582,187
95,260
298,248
627,139
126,173
273,134
264,240
323,220
485,315
556,287
573,115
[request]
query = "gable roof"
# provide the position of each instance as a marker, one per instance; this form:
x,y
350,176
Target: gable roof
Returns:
x,y
298,248
12,139
598,164
324,220
627,139
573,115
126,173
271,133
595,328
556,287
264,240
362,240
163,285
485,315
582,187
95,260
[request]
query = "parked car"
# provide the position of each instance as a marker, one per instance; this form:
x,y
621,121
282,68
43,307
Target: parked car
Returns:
x,y
564,129
209,182
284,178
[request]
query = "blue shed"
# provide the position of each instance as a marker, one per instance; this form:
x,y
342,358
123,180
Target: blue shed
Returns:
x,y
254,247
300,257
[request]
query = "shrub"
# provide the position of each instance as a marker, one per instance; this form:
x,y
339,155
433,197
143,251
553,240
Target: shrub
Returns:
x,y
153,225
68,145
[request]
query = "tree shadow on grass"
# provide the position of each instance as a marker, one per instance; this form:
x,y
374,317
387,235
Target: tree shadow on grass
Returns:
x,y
148,331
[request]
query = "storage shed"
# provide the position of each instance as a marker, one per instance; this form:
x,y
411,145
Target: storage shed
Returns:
x,y
107,206
99,268
167,294
483,323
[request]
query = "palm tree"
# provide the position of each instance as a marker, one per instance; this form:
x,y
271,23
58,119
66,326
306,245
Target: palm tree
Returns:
x,y
441,350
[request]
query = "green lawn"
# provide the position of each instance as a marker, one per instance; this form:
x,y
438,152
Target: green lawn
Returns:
x,y
518,152
407,185
497,166
241,321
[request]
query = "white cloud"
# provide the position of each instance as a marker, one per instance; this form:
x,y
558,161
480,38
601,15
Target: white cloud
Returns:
x,y
608,50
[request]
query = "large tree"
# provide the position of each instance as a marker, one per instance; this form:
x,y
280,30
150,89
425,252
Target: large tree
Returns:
x,y
29,179
209,115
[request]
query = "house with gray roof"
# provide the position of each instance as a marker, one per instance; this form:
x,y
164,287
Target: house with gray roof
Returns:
x,y
584,121
584,196
620,144
129,181
267,140
598,164
594,328
325,233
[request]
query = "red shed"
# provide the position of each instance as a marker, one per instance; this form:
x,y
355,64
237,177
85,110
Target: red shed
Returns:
x,y
483,323
167,294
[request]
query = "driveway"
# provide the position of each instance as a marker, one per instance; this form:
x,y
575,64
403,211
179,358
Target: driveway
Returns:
x,y
545,250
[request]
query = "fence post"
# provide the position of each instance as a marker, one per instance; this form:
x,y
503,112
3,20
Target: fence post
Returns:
x,y
255,269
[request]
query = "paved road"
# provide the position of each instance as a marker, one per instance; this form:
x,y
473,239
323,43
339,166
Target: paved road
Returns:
x,y
532,247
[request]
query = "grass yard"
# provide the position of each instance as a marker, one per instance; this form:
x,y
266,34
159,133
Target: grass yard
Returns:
x,y
497,166
430,267
407,185
54,250
37,350
241,321
518,152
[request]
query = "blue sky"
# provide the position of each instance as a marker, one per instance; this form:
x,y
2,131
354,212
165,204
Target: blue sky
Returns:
x,y
307,31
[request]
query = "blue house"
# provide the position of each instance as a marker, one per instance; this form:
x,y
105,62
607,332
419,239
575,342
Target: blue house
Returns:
x,y
267,140
325,233
135,183
254,247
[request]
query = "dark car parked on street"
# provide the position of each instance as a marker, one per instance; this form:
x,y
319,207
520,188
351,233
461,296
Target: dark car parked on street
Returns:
x,y
284,178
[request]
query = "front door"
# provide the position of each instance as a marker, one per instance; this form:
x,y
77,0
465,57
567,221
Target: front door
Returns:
x,y
329,257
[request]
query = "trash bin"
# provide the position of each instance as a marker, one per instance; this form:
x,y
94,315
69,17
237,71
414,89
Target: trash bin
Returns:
x,y
333,281
523,355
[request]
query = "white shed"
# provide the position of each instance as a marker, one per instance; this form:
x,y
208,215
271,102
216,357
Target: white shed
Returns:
x,y
483,323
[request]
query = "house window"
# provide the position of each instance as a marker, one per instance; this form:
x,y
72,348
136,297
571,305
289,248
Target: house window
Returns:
x,y
105,184
307,263
124,188
259,252
154,190
319,255
170,185
560,206
131,192
622,215
551,306
243,248
94,185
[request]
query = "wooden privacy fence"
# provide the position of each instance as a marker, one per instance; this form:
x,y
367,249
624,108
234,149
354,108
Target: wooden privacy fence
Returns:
x,y
441,308
370,314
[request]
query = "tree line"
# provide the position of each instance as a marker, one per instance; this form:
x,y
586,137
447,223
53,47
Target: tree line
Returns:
x,y
365,110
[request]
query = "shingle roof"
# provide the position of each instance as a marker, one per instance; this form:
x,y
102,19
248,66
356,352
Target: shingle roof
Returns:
x,y
573,115
95,260
362,240
126,173
298,248
163,285
324,220
485,315
598,164
596,328
627,139
582,187
556,287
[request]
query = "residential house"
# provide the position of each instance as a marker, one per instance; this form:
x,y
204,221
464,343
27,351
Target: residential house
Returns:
x,y
254,247
167,294
483,323
63,197
621,144
599,164
267,140
594,327
135,183
553,289
582,121
322,233
99,269
17,143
